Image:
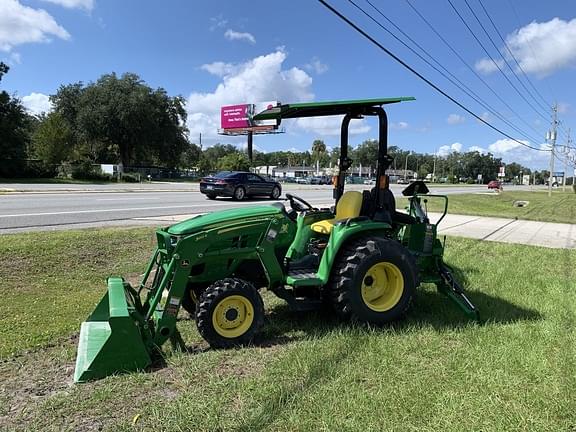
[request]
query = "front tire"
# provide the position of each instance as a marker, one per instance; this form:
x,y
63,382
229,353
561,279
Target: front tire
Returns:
x,y
239,193
275,193
373,280
229,313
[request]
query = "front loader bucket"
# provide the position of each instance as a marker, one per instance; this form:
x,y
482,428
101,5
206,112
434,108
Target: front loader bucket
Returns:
x,y
110,339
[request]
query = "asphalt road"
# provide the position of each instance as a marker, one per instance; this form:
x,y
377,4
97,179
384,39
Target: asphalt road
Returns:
x,y
47,207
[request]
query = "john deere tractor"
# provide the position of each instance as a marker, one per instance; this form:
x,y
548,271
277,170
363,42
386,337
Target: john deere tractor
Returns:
x,y
362,257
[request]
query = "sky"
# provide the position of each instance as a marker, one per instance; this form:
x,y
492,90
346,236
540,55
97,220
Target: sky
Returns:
x,y
220,53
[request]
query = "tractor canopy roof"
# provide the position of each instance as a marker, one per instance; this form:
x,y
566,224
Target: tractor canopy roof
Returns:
x,y
328,108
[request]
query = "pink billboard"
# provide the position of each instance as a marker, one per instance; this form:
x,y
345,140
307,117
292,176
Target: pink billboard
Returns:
x,y
236,116
241,116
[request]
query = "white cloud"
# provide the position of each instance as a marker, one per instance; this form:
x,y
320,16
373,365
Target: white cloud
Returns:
x,y
219,68
511,151
476,149
74,4
504,145
563,107
331,125
399,126
260,79
543,48
484,116
15,58
234,35
21,24
445,150
218,22
540,48
454,119
37,103
487,66
316,66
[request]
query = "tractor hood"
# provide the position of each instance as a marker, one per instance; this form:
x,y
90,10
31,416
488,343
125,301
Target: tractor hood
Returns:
x,y
221,218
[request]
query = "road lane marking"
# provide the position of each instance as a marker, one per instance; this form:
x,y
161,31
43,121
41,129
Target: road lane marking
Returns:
x,y
127,209
126,199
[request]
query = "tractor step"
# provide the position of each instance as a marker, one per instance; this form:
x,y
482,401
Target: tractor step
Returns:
x,y
302,273
303,277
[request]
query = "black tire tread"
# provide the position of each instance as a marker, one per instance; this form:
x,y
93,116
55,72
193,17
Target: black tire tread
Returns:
x,y
216,292
346,265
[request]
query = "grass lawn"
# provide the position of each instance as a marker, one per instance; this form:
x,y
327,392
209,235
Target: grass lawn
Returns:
x,y
561,207
435,371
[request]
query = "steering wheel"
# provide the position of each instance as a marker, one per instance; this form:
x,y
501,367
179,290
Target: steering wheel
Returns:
x,y
297,203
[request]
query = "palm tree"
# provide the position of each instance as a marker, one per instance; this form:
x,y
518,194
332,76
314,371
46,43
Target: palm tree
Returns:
x,y
318,150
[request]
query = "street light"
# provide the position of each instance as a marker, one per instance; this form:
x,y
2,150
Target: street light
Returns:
x,y
406,167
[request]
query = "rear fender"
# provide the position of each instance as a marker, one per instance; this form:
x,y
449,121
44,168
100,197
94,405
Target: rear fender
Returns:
x,y
341,234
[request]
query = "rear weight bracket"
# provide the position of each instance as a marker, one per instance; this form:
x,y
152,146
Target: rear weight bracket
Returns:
x,y
452,289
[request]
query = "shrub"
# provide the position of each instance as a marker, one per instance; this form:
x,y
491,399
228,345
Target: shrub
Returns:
x,y
131,178
87,171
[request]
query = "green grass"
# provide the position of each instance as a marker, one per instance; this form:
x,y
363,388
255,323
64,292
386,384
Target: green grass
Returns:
x,y
561,207
434,371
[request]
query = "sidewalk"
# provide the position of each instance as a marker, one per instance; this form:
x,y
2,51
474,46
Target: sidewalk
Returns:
x,y
546,234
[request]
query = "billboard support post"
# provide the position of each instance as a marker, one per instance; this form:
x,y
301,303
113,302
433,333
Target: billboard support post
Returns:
x,y
249,145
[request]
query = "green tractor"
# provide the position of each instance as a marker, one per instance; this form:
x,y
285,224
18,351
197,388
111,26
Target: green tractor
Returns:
x,y
363,258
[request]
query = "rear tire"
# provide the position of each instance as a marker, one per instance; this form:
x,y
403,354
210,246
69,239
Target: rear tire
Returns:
x,y
373,280
229,313
210,196
275,193
239,193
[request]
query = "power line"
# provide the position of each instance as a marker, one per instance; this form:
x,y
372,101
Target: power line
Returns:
x,y
465,63
513,56
493,61
473,95
502,56
419,75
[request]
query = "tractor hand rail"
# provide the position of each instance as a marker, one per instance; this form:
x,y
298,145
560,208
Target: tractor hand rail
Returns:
x,y
445,197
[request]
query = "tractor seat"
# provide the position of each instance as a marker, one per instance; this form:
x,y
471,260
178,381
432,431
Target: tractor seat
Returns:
x,y
348,206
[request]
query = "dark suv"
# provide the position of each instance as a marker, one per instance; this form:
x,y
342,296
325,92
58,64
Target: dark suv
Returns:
x,y
239,185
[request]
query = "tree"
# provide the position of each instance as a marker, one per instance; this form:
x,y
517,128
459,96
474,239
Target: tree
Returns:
x,y
234,162
367,153
191,156
14,132
123,119
53,139
319,152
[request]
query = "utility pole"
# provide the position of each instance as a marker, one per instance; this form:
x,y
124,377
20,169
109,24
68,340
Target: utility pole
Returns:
x,y
551,136
568,145
434,168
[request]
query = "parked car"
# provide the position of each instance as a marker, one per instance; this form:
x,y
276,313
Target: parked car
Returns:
x,y
302,180
239,185
402,181
494,184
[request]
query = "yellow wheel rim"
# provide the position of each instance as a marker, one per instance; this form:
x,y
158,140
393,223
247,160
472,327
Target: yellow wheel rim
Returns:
x,y
382,286
233,316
